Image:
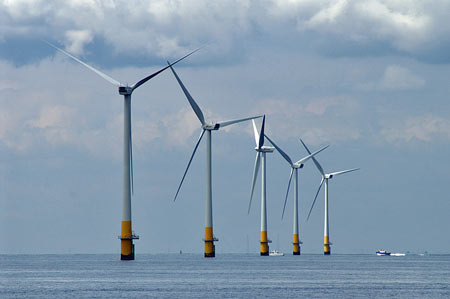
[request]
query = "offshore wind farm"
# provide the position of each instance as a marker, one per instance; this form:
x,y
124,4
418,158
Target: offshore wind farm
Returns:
x,y
344,103
127,235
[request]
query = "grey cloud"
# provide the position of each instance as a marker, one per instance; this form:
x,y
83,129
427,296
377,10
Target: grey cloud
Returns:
x,y
423,128
397,77
162,29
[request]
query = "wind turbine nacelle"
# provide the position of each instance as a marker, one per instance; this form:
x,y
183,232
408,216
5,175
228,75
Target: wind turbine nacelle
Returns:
x,y
265,149
213,126
329,176
125,90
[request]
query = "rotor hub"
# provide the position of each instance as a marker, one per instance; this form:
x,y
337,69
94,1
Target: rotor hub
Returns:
x,y
211,126
125,90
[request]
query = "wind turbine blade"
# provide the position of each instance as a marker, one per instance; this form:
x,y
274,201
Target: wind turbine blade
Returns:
x,y
194,105
230,122
287,192
261,134
103,75
285,156
255,132
317,193
255,176
343,171
319,167
259,137
189,164
130,144
140,82
311,155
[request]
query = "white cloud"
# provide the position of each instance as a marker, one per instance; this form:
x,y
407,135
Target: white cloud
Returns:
x,y
320,106
77,39
8,84
53,117
328,14
394,77
173,27
425,128
47,110
398,77
7,124
317,121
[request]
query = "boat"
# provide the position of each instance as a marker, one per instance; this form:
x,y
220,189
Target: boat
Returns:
x,y
382,252
275,253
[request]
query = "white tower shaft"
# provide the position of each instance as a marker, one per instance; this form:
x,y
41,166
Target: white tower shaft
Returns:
x,y
127,236
209,235
126,203
208,212
295,228
263,194
296,240
264,242
326,239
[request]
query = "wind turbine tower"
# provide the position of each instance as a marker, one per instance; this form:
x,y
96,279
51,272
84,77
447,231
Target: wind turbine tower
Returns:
x,y
325,178
294,170
127,235
261,151
207,127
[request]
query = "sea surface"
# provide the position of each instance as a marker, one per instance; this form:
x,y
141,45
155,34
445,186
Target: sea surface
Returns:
x,y
226,276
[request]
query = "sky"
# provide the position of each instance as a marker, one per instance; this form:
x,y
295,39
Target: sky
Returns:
x,y
369,78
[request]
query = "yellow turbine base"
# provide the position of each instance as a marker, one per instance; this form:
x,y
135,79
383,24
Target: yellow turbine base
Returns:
x,y
209,242
326,245
264,245
296,245
126,229
126,245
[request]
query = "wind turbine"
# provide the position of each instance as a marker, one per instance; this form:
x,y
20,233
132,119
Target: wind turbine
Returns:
x,y
294,170
206,127
325,178
261,151
127,235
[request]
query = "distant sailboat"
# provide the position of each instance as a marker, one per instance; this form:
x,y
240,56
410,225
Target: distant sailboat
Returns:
x,y
275,252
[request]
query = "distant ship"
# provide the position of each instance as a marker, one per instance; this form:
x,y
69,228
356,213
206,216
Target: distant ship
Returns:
x,y
383,252
275,253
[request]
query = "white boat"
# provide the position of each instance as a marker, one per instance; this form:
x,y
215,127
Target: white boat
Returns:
x,y
382,252
398,254
275,253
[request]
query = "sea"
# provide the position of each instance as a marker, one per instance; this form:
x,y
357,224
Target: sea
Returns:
x,y
225,276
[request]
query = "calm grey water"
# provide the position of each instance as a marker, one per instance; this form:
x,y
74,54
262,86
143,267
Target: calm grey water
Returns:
x,y
226,276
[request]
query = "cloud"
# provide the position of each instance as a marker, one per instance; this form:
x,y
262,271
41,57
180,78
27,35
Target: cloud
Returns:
x,y
317,121
320,106
42,108
398,77
394,78
328,14
424,128
77,39
171,28
53,117
8,84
